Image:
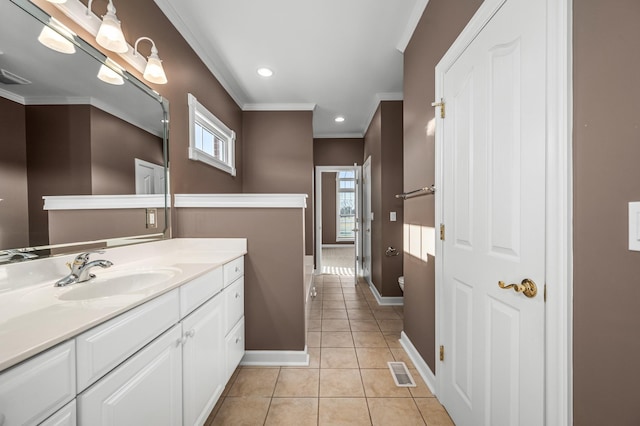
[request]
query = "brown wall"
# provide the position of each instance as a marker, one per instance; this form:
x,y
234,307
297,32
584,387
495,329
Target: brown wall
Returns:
x,y
67,226
58,159
337,152
278,157
383,142
329,208
274,268
114,146
439,26
14,207
606,177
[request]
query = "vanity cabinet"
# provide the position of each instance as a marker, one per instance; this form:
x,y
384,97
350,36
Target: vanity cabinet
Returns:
x,y
165,362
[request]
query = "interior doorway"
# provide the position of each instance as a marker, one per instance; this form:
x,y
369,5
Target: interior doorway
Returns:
x,y
337,218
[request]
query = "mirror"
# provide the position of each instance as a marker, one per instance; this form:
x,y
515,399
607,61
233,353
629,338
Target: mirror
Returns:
x,y
80,159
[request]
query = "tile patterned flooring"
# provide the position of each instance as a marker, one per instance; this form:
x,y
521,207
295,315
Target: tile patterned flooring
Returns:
x,y
350,339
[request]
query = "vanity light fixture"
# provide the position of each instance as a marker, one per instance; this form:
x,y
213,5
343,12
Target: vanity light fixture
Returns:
x,y
57,1
153,72
265,72
110,34
339,119
109,75
54,40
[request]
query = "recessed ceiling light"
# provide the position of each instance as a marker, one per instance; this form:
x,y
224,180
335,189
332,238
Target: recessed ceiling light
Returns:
x,y
265,72
339,119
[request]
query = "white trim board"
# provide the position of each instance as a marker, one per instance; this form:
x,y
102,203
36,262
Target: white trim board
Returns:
x,y
412,24
559,190
100,202
276,358
385,300
278,107
422,367
241,200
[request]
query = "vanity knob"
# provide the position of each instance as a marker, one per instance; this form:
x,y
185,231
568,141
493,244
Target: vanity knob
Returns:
x,y
191,333
237,295
179,342
238,339
237,269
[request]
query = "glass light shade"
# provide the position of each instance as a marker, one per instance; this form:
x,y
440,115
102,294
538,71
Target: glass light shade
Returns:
x,y
154,72
108,75
53,40
57,1
110,34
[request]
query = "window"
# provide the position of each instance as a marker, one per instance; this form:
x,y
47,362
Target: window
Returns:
x,y
210,141
345,205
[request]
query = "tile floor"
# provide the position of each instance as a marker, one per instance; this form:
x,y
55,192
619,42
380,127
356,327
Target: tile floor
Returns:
x,y
347,382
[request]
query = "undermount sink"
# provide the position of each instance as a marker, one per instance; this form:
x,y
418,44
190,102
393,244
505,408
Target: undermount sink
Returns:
x,y
114,283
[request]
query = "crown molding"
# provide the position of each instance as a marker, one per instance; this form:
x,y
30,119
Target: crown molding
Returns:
x,y
339,136
412,24
380,97
279,107
12,97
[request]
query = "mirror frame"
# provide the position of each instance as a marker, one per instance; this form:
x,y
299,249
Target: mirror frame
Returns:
x,y
60,249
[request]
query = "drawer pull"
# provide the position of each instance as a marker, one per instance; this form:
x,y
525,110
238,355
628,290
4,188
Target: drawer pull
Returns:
x,y
237,269
237,295
191,333
180,341
238,339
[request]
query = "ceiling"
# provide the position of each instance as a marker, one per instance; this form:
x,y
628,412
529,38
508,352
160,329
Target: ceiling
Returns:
x,y
335,57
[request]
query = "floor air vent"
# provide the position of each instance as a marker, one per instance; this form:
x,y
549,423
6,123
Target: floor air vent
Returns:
x,y
7,77
401,375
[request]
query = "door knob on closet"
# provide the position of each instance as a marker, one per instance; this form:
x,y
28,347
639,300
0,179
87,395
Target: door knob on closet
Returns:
x,y
527,286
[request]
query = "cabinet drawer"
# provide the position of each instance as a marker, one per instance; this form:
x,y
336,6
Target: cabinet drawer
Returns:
x,y
37,388
234,304
199,291
145,390
233,270
235,348
66,416
104,347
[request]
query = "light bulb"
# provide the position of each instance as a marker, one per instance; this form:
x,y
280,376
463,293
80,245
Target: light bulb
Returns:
x,y
53,40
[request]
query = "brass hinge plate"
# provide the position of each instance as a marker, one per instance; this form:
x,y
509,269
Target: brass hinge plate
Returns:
x,y
441,353
545,293
442,231
441,105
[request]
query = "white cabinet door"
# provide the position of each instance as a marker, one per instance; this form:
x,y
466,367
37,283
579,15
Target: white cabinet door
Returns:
x,y
144,390
203,360
32,391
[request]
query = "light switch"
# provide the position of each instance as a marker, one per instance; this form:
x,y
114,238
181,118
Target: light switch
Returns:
x,y
634,226
392,216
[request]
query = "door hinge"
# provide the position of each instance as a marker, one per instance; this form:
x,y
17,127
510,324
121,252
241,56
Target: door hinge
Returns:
x,y
441,105
442,231
545,293
441,353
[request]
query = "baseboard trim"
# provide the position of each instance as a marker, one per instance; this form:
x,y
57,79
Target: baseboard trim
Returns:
x,y
422,367
276,358
385,301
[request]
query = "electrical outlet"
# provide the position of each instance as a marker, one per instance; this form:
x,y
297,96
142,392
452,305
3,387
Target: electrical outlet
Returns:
x,y
152,218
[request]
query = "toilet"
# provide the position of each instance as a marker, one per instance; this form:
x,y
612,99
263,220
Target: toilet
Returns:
x,y
401,283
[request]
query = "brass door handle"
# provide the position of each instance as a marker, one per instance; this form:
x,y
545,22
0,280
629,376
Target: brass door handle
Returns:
x,y
528,287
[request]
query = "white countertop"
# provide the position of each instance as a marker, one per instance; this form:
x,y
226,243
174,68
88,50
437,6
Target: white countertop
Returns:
x,y
33,317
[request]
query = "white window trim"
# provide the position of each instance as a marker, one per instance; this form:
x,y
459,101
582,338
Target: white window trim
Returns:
x,y
196,109
338,237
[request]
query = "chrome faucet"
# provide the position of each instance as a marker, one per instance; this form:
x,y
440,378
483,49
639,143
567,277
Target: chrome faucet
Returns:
x,y
80,269
12,254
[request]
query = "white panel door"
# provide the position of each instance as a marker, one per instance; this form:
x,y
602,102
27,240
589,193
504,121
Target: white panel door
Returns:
x,y
366,220
493,203
149,177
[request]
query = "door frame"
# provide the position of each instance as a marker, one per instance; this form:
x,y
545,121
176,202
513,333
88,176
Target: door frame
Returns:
x,y
559,193
364,234
318,209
